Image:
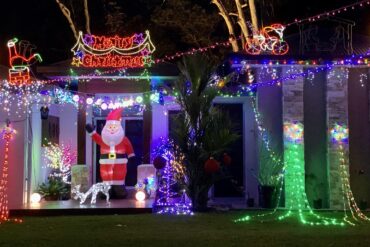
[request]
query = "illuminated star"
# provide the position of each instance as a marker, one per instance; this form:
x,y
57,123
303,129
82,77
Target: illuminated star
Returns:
x,y
138,38
76,61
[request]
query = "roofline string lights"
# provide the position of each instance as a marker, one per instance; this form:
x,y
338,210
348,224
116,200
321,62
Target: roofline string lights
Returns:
x,y
329,13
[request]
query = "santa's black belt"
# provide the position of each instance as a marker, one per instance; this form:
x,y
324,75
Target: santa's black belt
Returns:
x,y
112,156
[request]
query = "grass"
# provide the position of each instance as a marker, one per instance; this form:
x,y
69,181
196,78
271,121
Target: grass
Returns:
x,y
213,229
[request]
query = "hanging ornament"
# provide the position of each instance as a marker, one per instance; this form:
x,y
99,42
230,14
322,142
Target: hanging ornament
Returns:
x,y
211,166
221,83
159,162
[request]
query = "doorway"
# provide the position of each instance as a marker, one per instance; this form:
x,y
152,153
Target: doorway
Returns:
x,y
233,186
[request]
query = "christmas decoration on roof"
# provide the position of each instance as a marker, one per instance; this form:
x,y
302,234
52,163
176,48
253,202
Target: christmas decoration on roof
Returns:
x,y
269,40
115,51
21,58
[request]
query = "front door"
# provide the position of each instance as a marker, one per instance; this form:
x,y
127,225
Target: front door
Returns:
x,y
232,186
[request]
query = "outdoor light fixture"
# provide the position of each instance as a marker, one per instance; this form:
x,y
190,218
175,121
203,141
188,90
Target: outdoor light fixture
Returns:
x,y
44,112
140,196
35,198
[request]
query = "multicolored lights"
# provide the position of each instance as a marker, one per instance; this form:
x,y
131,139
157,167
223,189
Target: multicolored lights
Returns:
x,y
167,198
60,158
269,39
339,133
117,52
293,131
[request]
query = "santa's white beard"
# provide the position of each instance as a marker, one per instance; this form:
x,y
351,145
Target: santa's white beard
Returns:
x,y
112,139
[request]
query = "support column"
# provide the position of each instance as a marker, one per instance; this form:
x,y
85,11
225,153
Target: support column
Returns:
x,y
270,141
36,164
81,132
293,139
147,118
337,113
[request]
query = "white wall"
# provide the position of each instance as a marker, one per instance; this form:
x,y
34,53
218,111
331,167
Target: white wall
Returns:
x,y
67,114
16,157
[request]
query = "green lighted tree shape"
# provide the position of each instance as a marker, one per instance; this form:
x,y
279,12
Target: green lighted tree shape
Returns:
x,y
293,168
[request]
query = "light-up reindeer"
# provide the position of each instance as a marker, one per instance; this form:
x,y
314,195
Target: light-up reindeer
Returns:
x,y
20,60
94,190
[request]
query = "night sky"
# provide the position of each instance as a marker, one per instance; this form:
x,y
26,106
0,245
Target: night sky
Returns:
x,y
42,23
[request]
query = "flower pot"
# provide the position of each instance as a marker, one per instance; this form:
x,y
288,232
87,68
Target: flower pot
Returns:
x,y
363,205
51,198
267,196
317,204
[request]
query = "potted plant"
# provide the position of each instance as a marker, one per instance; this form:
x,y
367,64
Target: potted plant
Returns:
x,y
363,205
250,201
269,179
312,180
53,190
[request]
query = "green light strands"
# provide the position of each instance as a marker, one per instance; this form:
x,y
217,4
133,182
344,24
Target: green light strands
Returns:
x,y
294,174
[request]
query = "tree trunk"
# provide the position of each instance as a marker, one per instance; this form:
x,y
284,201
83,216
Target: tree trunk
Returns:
x,y
199,199
87,17
223,12
67,15
198,193
253,11
241,19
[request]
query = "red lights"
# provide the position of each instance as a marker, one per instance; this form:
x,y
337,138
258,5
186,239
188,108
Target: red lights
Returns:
x,y
115,52
19,74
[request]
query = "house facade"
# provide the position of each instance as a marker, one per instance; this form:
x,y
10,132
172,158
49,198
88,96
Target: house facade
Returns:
x,y
317,98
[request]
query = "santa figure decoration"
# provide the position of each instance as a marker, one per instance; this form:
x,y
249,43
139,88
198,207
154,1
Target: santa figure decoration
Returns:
x,y
115,149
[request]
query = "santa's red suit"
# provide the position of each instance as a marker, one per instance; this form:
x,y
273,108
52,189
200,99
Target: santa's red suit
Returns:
x,y
115,149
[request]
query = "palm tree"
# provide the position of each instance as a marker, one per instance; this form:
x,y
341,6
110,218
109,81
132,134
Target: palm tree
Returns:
x,y
204,131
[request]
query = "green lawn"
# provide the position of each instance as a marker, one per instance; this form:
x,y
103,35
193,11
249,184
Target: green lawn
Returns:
x,y
213,229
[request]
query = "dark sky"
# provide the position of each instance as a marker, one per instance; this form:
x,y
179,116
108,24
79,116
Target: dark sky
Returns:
x,y
42,23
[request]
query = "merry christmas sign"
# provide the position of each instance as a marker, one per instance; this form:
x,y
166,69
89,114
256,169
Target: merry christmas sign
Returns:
x,y
104,52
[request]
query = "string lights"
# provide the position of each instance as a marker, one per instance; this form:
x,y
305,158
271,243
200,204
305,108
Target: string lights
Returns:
x,y
60,158
7,135
329,13
339,135
293,171
123,52
167,201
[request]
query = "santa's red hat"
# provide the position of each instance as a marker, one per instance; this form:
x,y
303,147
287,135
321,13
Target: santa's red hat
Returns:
x,y
115,115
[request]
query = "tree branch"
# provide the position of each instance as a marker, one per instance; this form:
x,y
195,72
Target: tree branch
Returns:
x,y
252,8
224,14
241,19
87,17
67,14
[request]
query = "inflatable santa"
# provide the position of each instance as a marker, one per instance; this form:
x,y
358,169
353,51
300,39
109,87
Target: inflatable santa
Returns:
x,y
115,149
